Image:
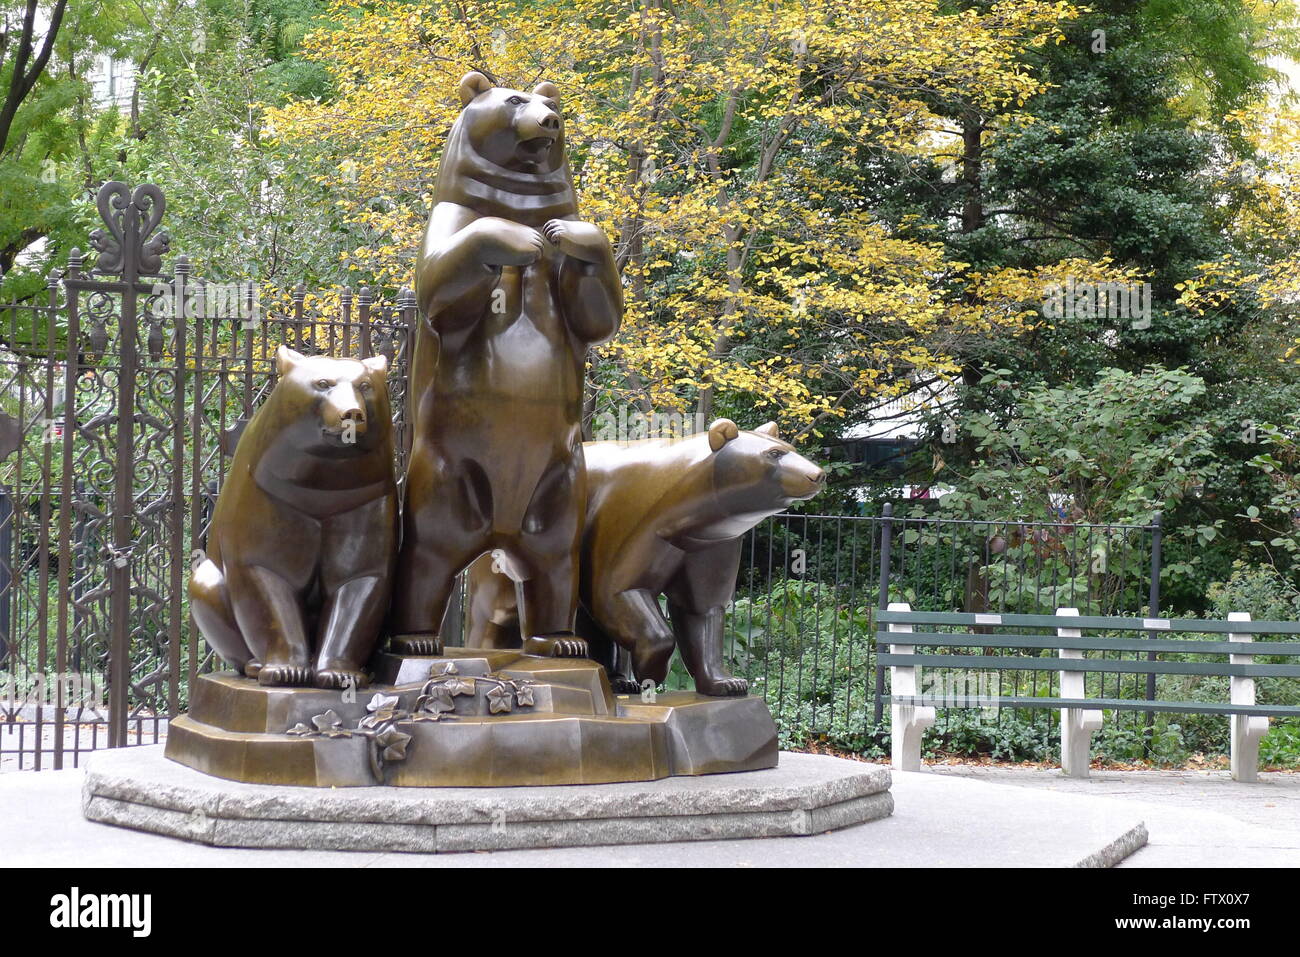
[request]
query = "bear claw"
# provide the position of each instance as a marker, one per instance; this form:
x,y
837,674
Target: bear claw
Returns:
x,y
341,678
415,645
723,687
621,684
556,647
290,675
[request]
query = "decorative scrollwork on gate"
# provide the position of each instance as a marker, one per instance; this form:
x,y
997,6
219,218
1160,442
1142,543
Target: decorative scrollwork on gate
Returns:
x,y
128,248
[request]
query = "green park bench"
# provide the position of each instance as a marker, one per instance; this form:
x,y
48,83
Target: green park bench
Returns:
x,y
911,640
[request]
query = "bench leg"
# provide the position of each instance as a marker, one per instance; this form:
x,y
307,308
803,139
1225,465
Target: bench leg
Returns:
x,y
1246,732
1246,729
1077,726
909,723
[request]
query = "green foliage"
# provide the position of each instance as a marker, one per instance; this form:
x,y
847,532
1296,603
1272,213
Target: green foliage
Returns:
x,y
1117,449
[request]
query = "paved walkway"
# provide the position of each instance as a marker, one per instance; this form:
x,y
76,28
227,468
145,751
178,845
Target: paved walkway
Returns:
x,y
945,816
1194,818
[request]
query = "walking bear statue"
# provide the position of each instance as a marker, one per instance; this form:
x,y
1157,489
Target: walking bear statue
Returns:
x,y
663,518
295,583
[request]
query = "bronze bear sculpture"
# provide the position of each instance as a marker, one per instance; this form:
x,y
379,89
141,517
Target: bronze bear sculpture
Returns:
x,y
295,583
513,289
664,518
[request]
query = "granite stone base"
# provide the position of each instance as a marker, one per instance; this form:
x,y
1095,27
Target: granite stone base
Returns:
x,y
805,794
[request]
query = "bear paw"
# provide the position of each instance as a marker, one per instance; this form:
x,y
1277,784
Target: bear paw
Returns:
x,y
341,678
285,675
621,684
556,646
723,686
252,668
415,645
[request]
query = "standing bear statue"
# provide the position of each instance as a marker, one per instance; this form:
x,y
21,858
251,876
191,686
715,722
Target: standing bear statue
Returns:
x,y
295,583
513,289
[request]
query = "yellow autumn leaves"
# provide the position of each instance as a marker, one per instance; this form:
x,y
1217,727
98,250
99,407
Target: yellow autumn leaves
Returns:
x,y
718,143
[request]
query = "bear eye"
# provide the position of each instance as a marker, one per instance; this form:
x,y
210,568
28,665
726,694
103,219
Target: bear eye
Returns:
x,y
323,383
515,100
775,453
364,385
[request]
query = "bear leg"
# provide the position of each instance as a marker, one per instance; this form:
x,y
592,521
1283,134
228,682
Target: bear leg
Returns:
x,y
350,623
699,636
633,619
547,609
270,612
426,574
210,605
491,607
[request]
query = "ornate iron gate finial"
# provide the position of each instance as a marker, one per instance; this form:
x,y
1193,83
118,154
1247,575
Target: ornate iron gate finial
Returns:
x,y
127,249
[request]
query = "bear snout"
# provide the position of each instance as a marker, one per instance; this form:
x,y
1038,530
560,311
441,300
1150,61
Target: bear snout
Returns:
x,y
342,410
801,478
538,122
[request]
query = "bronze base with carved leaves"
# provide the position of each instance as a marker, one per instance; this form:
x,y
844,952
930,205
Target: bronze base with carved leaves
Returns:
x,y
466,718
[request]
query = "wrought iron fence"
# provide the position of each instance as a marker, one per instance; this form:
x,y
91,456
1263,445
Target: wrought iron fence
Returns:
x,y
122,395
124,390
802,626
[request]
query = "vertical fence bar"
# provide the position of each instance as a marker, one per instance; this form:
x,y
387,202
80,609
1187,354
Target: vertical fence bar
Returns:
x,y
119,667
886,536
6,576
67,557
364,299
47,519
1157,534
176,510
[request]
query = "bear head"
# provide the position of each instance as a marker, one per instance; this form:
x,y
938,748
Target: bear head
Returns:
x,y
757,472
330,406
505,154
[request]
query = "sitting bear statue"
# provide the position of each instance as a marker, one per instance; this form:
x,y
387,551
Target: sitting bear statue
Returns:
x,y
295,583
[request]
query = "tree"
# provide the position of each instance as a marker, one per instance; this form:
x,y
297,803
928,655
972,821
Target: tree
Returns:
x,y
26,45
708,139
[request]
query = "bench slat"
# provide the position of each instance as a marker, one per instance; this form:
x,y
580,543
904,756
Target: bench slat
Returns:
x,y
1196,625
1088,665
1190,646
1103,704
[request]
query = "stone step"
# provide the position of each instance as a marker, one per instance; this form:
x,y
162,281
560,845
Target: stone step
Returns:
x,y
806,795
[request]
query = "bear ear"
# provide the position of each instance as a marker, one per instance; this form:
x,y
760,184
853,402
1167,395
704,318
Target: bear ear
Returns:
x,y
286,359
548,90
471,85
721,432
376,364
768,429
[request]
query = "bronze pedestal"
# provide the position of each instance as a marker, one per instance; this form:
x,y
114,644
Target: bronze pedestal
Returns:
x,y
471,717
